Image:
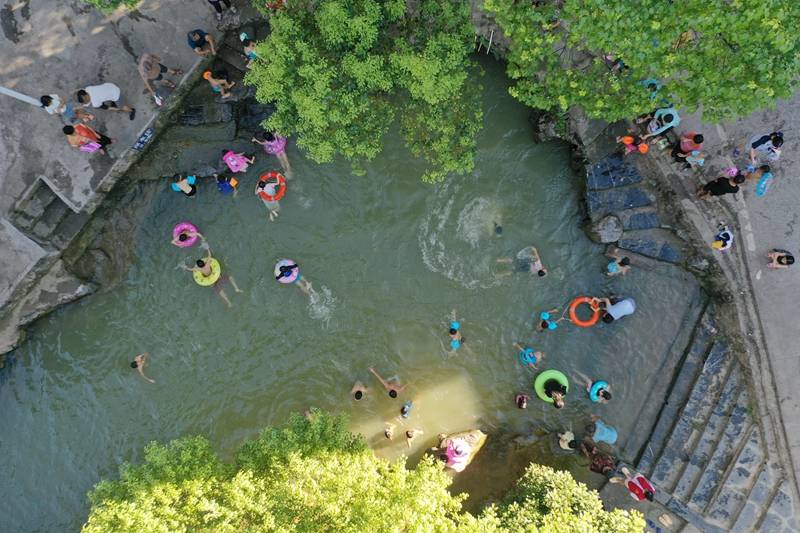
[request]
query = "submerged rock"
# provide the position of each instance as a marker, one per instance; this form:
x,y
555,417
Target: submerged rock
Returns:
x,y
606,230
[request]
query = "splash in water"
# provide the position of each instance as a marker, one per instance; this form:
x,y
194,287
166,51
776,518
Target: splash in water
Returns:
x,y
321,304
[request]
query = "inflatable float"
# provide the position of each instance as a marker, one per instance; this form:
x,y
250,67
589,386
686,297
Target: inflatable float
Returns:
x,y
458,450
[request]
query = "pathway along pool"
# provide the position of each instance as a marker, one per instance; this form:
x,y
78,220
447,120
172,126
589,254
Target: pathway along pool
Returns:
x,y
390,258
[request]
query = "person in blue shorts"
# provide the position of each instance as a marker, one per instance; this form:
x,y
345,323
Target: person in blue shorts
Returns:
x,y
227,185
527,356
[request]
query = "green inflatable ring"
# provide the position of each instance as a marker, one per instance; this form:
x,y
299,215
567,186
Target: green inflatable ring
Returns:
x,y
547,375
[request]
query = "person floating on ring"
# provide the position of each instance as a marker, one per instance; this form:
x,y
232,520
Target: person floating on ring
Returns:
x,y
207,272
599,390
288,272
270,188
551,386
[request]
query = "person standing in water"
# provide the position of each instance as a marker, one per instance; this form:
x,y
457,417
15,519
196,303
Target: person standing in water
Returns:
x,y
521,400
358,391
138,363
412,434
275,145
527,356
615,308
528,260
392,385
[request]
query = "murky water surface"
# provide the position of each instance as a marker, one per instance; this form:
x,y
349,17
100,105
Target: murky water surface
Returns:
x,y
389,259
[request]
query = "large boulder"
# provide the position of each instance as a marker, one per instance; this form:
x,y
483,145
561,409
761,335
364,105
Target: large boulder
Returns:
x,y
606,230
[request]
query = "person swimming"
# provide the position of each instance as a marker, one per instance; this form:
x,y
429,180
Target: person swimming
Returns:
x,y
547,322
405,411
456,339
527,355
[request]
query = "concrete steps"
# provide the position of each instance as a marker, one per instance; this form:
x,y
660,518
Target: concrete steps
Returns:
x,y
711,440
657,243
649,411
601,203
694,418
679,391
44,217
734,490
758,501
639,218
781,515
611,172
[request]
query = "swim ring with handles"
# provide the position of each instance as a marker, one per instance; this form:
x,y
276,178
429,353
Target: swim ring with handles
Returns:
x,y
295,274
573,316
281,190
544,377
594,390
207,281
184,227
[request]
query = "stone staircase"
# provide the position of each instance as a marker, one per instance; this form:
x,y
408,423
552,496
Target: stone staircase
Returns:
x,y
616,193
706,454
45,218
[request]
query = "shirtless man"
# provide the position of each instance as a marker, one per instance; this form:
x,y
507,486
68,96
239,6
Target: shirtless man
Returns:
x,y
138,363
359,390
411,434
393,386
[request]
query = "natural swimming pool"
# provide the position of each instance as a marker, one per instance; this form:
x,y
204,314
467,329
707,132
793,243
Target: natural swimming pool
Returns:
x,y
390,258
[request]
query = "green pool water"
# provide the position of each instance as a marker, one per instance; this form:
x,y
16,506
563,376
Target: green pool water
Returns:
x,y
389,258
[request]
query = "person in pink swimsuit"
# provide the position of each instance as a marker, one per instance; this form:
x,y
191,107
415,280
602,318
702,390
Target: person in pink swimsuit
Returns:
x,y
275,145
237,162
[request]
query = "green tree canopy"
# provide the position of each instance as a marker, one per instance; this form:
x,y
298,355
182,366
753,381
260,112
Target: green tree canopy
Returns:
x,y
729,57
341,71
313,475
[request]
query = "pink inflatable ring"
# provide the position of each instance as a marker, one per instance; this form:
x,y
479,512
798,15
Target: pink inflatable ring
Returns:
x,y
184,227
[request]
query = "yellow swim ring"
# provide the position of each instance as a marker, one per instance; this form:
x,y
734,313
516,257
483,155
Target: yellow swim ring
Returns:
x,y
207,281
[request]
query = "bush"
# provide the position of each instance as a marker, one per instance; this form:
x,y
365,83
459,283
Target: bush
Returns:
x,y
313,475
106,6
341,71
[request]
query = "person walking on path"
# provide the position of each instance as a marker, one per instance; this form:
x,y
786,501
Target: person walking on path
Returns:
x,y
86,139
721,186
104,96
218,7
275,145
202,43
54,105
152,70
392,385
138,363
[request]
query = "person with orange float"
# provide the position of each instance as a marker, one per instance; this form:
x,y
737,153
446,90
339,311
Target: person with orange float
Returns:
x,y
614,308
633,143
594,305
270,188
219,82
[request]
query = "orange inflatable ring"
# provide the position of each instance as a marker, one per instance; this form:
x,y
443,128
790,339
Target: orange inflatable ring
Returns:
x,y
574,317
277,176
